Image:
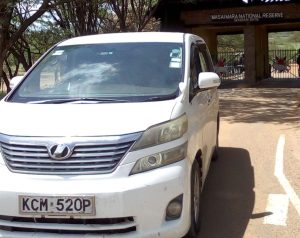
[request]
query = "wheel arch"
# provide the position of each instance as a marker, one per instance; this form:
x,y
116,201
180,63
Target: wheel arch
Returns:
x,y
198,158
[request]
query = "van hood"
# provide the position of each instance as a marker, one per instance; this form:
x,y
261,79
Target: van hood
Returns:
x,y
20,119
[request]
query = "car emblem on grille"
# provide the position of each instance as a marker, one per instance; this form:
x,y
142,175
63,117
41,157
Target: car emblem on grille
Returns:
x,y
60,152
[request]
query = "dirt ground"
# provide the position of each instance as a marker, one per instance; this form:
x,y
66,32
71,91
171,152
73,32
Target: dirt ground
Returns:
x,y
236,199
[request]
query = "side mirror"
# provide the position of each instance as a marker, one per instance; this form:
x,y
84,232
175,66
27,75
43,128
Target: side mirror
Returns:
x,y
208,80
15,81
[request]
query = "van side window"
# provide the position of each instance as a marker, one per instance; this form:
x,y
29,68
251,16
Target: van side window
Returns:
x,y
206,63
203,62
195,69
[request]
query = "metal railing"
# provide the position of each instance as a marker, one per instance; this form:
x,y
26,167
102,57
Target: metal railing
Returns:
x,y
283,65
230,65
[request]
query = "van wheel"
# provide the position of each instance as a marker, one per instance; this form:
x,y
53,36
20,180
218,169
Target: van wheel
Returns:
x,y
215,154
196,185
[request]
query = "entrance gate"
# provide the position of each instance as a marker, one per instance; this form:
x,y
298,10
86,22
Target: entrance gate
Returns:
x,y
230,65
255,19
282,64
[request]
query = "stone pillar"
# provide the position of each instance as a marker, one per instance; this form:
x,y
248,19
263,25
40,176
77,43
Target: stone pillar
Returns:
x,y
262,57
256,54
250,59
265,50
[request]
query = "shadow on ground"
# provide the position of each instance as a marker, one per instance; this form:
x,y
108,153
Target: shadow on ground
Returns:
x,y
228,196
272,102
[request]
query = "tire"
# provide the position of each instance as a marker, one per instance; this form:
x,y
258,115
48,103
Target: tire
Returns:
x,y
196,186
215,155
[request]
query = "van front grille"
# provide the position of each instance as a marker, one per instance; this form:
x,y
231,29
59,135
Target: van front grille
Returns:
x,y
68,225
86,155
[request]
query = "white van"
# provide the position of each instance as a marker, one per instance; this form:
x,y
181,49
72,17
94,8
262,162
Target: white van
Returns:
x,y
109,136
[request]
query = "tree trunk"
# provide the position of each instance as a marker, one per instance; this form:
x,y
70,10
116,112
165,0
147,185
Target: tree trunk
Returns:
x,y
5,79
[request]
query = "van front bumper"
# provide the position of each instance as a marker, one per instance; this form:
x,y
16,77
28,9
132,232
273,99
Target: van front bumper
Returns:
x,y
142,198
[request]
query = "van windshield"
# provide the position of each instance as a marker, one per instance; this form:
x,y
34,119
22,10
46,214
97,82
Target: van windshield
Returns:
x,y
104,72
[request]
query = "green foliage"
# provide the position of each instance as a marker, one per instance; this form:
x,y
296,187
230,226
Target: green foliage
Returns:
x,y
284,40
277,41
230,43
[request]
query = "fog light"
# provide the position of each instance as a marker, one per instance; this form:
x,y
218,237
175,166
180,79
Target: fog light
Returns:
x,y
174,208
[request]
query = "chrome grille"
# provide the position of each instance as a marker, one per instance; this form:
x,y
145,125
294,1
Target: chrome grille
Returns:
x,y
90,155
100,226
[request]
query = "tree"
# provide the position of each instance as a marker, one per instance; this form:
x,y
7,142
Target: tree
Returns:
x,y
142,13
120,8
10,12
79,17
133,15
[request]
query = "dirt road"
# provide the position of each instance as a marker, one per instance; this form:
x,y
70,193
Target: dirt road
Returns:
x,y
253,190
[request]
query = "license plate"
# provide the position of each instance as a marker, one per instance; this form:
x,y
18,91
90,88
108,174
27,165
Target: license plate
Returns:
x,y
57,205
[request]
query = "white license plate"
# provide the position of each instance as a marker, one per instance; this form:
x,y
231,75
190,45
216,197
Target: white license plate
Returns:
x,y
57,205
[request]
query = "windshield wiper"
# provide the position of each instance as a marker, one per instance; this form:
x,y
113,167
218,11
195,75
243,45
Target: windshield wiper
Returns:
x,y
158,98
77,100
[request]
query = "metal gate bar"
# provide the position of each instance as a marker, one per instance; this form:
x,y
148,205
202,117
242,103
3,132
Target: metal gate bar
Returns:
x,y
283,65
230,65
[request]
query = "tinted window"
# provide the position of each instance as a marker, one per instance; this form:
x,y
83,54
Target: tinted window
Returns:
x,y
131,71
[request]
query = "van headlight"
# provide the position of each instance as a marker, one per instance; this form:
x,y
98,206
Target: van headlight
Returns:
x,y
160,159
162,133
159,134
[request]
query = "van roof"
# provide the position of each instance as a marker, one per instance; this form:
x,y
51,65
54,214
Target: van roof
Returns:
x,y
126,37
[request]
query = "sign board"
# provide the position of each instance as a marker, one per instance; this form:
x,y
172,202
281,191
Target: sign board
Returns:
x,y
246,17
264,1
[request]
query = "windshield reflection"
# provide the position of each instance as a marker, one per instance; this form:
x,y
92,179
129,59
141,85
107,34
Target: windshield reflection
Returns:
x,y
129,71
